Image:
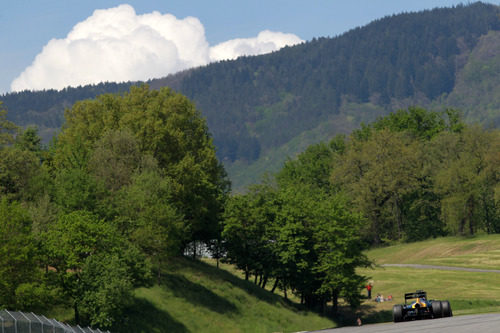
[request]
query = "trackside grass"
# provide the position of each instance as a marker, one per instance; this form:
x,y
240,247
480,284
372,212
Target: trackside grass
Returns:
x,y
468,292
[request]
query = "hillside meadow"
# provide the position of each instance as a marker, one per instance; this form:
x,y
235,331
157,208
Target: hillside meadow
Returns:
x,y
194,296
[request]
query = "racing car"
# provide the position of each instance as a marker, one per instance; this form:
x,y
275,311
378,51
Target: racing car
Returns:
x,y
420,308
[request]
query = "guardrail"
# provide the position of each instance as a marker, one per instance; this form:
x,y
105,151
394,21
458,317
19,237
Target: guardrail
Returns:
x,y
21,322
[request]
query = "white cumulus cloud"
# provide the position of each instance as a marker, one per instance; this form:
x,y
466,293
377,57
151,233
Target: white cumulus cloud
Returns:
x,y
118,45
267,41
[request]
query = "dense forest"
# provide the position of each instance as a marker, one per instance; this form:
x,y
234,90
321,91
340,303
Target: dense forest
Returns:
x,y
131,180
255,105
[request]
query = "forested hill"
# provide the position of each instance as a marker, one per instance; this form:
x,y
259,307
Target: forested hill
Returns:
x,y
45,109
260,109
256,103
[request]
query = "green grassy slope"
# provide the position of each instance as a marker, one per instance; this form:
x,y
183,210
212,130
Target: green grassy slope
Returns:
x,y
196,297
468,292
473,252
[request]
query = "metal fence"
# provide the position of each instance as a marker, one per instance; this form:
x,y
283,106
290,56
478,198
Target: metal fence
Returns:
x,y
20,322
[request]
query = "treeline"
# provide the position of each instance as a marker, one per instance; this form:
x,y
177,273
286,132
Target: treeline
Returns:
x,y
131,180
417,174
45,109
302,237
412,175
255,103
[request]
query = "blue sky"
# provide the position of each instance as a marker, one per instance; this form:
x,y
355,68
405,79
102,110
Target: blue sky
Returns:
x,y
28,26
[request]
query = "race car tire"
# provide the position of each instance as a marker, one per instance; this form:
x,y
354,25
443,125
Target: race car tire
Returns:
x,y
397,313
437,309
446,309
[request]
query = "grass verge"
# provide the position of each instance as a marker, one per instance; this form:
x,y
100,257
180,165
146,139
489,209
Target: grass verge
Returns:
x,y
468,292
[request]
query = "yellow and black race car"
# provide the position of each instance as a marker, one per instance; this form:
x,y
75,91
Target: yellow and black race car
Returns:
x,y
420,308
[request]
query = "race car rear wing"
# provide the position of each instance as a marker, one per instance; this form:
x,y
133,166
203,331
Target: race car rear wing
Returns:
x,y
416,294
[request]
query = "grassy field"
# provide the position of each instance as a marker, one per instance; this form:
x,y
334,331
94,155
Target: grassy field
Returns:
x,y
197,297
473,252
468,292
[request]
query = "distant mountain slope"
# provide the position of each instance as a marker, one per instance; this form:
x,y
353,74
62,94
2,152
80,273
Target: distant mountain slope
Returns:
x,y
477,88
256,103
261,109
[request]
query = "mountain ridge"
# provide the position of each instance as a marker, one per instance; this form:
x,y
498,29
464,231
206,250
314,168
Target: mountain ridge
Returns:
x,y
260,107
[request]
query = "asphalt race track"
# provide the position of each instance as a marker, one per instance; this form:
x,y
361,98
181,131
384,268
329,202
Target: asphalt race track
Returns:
x,y
483,323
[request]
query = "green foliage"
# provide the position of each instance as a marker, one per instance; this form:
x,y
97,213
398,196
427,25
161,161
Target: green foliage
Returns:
x,y
248,233
17,253
299,233
146,214
469,180
88,257
378,174
114,133
114,159
19,172
312,166
106,289
131,179
7,128
29,140
418,122
319,246
75,189
416,174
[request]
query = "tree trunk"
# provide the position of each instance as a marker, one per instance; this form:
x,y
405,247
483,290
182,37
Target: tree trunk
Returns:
x,y
158,276
335,298
247,274
256,277
399,217
461,226
487,217
275,285
470,218
264,282
77,314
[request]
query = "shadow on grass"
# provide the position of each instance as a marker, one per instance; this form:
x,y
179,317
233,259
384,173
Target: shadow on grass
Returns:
x,y
367,313
196,294
383,316
144,317
220,276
